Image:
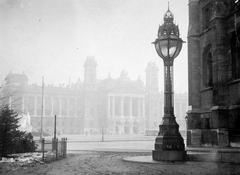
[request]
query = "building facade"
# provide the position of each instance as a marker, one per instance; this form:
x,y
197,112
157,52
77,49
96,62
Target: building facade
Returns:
x,y
214,73
116,106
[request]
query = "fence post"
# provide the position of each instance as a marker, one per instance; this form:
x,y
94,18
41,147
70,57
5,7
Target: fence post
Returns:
x,y
61,147
43,141
63,141
56,148
65,146
52,144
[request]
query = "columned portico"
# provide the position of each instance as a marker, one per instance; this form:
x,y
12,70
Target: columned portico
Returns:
x,y
130,107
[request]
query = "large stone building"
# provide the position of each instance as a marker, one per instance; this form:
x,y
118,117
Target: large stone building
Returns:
x,y
119,106
214,73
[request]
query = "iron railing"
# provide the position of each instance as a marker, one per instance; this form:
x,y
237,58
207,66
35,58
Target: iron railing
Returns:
x,y
57,147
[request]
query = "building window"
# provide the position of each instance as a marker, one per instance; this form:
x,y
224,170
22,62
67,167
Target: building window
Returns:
x,y
207,14
207,67
235,54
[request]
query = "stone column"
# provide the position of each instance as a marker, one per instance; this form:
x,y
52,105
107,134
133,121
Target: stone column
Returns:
x,y
139,107
121,108
130,107
109,106
113,105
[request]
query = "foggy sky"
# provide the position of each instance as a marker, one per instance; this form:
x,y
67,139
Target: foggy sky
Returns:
x,y
52,38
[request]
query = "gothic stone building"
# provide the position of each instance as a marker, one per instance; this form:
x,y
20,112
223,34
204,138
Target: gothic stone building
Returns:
x,y
119,106
214,73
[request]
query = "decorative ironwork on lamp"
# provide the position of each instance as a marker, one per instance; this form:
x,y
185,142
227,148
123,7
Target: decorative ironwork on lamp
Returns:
x,y
168,44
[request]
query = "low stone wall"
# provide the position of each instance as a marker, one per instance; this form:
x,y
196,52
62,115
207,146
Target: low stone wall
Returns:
x,y
223,157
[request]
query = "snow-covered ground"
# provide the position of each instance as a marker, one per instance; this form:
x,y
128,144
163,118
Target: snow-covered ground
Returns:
x,y
15,161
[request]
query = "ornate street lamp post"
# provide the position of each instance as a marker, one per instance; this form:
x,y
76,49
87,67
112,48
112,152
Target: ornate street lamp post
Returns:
x,y
169,144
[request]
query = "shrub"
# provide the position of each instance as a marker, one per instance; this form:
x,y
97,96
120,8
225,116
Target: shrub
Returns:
x,y
13,140
25,143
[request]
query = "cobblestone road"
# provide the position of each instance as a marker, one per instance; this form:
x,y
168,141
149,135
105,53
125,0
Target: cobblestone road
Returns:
x,y
101,163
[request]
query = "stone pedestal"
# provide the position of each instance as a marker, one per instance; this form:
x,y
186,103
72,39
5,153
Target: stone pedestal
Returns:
x,y
169,144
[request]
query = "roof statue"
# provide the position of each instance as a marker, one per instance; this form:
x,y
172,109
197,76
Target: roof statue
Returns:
x,y
124,74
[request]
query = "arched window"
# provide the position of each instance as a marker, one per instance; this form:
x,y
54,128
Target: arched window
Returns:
x,y
207,67
235,54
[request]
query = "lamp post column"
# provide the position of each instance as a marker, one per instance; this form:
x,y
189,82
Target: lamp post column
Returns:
x,y
168,107
169,144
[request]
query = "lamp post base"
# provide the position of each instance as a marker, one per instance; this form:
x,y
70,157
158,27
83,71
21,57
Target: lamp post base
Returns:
x,y
168,155
169,144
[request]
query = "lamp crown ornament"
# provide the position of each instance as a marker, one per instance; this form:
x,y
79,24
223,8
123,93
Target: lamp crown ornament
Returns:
x,y
168,27
168,43
168,17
